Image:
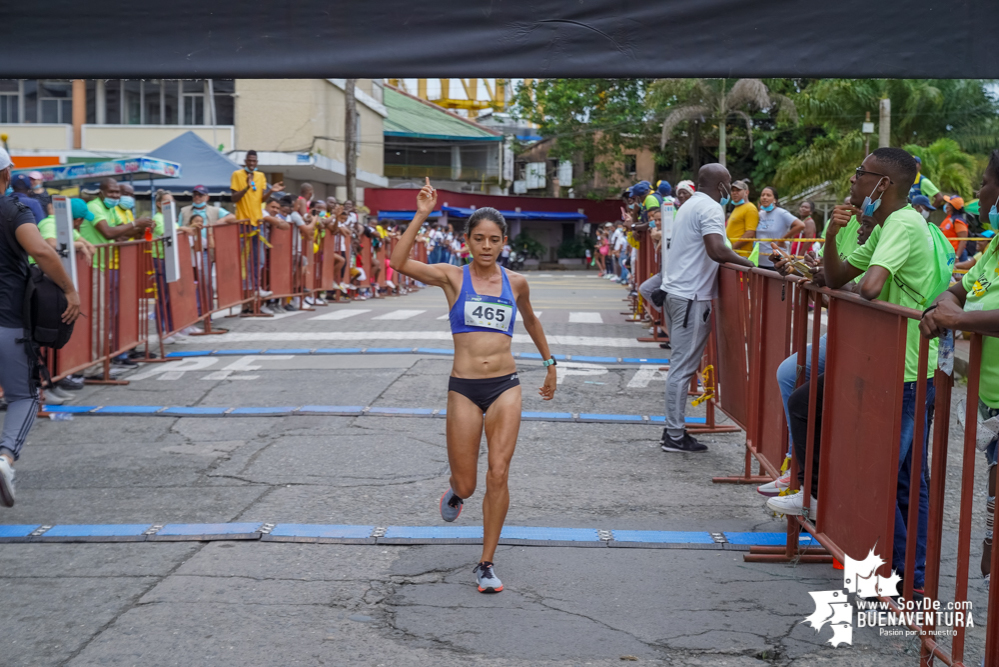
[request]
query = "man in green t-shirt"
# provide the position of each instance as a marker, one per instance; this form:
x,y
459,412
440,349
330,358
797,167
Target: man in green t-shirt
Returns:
x,y
106,226
973,305
905,264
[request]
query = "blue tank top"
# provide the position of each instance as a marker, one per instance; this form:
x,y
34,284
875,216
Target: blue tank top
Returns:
x,y
478,312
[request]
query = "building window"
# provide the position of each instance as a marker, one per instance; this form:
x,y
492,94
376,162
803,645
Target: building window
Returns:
x,y
225,100
193,102
10,101
631,164
55,101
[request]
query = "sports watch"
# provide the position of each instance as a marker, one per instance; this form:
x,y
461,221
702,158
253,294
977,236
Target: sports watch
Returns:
x,y
549,362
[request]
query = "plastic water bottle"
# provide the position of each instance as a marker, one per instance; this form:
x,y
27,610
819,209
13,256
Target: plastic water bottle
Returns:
x,y
149,234
945,353
61,416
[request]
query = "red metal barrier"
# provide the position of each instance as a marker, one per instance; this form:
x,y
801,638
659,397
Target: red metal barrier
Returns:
x,y
861,428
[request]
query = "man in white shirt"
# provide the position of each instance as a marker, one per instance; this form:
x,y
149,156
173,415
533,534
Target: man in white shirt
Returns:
x,y
690,283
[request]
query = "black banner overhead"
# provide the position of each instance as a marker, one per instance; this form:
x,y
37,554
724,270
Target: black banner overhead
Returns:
x,y
499,38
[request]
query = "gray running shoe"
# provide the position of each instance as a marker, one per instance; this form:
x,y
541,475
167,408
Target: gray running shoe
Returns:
x,y
450,506
488,581
6,483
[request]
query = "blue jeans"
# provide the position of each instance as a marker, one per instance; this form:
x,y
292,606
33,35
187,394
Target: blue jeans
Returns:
x,y
787,379
904,478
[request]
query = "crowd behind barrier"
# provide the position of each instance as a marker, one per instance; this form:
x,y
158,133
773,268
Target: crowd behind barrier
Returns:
x,y
855,490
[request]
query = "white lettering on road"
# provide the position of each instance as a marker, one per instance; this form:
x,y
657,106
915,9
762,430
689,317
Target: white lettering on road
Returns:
x,y
243,364
566,368
646,374
175,370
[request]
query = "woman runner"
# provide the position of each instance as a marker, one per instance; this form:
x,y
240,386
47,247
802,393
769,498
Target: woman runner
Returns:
x,y
484,389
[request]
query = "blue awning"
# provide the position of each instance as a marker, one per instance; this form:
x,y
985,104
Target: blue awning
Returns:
x,y
460,212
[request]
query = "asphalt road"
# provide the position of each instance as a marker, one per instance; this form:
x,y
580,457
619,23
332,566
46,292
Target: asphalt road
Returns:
x,y
270,603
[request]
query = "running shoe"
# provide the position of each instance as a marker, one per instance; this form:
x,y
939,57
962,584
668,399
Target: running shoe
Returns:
x,y
792,504
488,581
687,443
771,489
450,506
7,484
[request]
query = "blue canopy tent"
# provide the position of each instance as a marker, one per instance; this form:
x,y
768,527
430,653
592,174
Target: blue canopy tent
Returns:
x,y
203,165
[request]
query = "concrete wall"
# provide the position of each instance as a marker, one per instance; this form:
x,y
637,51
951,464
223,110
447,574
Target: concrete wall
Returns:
x,y
144,138
38,136
287,114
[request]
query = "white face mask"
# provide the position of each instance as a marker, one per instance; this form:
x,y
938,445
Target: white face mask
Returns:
x,y
925,214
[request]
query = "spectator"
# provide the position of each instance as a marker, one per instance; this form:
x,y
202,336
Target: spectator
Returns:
x,y
924,186
19,239
305,198
39,192
955,225
806,210
212,215
250,190
922,205
126,207
742,222
908,263
684,191
106,225
775,223
602,249
690,284
22,192
621,252
973,305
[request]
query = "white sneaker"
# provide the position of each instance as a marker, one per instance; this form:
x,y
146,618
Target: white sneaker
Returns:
x,y
343,287
390,284
792,505
771,489
6,483
263,294
169,340
52,398
61,393
487,579
352,288
265,310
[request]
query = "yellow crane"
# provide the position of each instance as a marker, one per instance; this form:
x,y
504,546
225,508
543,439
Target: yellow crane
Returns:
x,y
495,92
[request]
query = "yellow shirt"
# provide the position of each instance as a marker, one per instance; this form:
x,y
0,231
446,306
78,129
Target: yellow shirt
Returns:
x,y
125,215
744,219
250,207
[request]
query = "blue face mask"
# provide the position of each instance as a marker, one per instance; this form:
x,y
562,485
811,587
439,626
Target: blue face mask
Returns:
x,y
110,203
8,192
740,202
200,206
994,216
869,206
127,202
768,208
726,198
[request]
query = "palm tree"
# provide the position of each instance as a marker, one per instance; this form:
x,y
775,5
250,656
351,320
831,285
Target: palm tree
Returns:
x,y
712,99
944,163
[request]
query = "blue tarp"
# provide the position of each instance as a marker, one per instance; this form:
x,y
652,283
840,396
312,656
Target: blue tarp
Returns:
x,y
459,212
202,165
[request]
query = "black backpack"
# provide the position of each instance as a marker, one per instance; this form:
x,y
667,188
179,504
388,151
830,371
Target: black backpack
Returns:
x,y
44,304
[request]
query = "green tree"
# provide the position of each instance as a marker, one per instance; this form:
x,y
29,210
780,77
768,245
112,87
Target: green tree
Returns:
x,y
950,168
923,111
589,121
715,101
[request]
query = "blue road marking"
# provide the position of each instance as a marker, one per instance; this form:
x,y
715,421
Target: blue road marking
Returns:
x,y
662,536
128,409
257,412
631,361
180,411
611,418
302,350
289,531
331,409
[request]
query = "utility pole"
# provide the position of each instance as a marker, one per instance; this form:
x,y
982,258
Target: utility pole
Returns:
x,y
884,124
350,133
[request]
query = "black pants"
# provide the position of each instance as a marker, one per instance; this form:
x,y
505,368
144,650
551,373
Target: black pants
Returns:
x,y
797,410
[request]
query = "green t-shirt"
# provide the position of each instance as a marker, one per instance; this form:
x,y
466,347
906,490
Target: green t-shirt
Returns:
x,y
982,284
919,273
927,187
47,228
88,229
